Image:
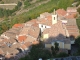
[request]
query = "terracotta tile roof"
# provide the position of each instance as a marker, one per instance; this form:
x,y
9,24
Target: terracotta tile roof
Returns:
x,y
49,17
45,21
1,51
71,22
30,39
71,9
22,38
73,30
8,56
10,50
43,15
35,42
70,16
34,32
17,25
24,31
12,35
29,23
56,32
61,12
35,22
25,45
57,29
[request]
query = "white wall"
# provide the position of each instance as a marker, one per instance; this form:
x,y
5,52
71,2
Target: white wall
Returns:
x,y
54,19
43,27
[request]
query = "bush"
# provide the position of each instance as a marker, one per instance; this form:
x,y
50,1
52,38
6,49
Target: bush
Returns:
x,y
27,3
62,54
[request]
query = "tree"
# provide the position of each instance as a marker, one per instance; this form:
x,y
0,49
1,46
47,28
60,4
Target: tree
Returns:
x,y
27,3
37,51
4,27
26,58
53,51
1,13
56,47
78,10
19,4
77,41
5,12
62,54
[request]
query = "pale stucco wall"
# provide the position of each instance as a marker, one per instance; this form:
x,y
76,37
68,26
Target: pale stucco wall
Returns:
x,y
61,45
48,45
54,19
45,36
67,46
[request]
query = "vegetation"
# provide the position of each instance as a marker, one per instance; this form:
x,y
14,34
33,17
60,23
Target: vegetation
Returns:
x,y
27,3
77,43
6,13
36,52
78,22
53,51
62,54
48,7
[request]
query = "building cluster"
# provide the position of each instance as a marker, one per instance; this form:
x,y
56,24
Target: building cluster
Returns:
x,y
59,26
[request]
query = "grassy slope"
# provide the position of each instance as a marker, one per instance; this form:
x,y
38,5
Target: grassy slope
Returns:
x,y
10,1
48,7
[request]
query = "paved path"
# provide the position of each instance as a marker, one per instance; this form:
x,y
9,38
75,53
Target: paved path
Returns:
x,y
9,4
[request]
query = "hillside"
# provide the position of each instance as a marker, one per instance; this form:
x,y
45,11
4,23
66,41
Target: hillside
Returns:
x,y
33,13
9,1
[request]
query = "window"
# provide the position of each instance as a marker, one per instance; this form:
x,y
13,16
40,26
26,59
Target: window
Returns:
x,y
54,18
45,26
41,25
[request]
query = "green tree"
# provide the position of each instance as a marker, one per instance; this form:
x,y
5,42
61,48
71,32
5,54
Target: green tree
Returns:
x,y
53,51
56,47
27,3
19,4
62,54
1,13
37,51
4,27
77,41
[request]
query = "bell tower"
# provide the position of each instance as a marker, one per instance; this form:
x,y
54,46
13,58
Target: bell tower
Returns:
x,y
54,18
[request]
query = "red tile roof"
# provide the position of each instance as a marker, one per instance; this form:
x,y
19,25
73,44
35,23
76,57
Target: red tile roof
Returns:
x,y
72,9
18,25
8,56
70,16
49,17
45,21
73,30
35,22
34,32
26,45
21,38
43,15
35,42
1,51
30,39
55,30
61,12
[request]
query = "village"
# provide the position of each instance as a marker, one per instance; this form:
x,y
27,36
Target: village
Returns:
x,y
59,26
